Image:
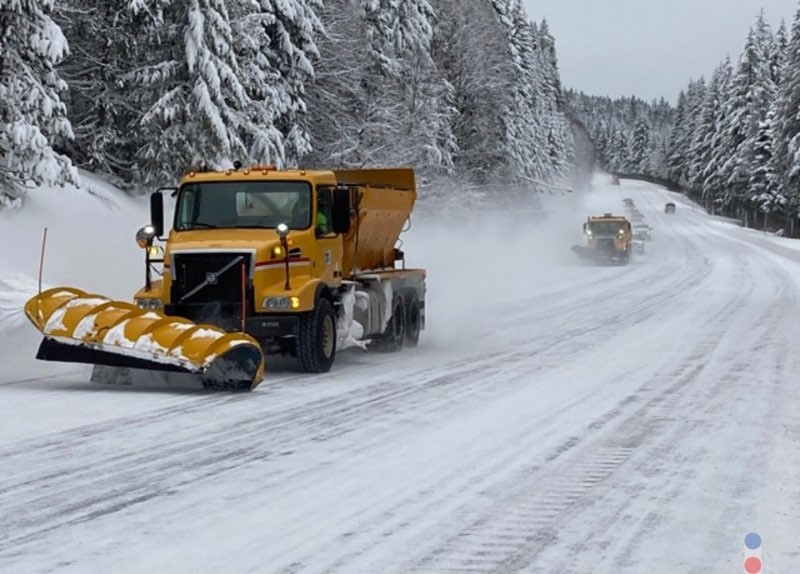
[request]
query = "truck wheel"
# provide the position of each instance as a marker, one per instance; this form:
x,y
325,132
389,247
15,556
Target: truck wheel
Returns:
x,y
316,344
395,333
413,320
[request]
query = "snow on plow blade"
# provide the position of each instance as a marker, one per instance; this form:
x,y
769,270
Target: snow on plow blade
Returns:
x,y
584,252
598,255
130,345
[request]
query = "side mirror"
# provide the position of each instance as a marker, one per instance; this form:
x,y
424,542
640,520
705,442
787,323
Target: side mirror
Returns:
x,y
341,210
157,213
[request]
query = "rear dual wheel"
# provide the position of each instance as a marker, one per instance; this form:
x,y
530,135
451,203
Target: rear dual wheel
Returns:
x,y
413,320
404,326
395,334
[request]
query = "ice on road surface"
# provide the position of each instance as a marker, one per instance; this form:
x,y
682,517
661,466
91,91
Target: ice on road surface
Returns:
x,y
556,417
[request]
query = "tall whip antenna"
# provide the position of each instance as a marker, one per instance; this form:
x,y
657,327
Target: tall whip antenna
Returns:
x,y
41,260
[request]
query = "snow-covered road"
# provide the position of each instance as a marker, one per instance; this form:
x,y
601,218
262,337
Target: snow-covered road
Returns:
x,y
556,417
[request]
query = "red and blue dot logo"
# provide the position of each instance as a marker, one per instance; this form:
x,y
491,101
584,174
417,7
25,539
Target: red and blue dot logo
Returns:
x,y
752,553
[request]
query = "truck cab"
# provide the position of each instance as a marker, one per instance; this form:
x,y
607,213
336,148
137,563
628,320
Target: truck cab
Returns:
x,y
283,256
608,237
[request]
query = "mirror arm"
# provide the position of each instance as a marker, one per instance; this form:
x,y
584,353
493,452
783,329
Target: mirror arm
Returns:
x,y
147,277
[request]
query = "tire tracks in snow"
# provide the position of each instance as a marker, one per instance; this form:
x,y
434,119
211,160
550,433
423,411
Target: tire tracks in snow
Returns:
x,y
531,509
537,511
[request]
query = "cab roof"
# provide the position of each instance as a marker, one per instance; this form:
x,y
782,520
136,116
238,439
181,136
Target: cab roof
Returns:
x,y
257,173
608,216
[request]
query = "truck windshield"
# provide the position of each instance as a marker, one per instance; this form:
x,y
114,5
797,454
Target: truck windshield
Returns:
x,y
605,228
244,204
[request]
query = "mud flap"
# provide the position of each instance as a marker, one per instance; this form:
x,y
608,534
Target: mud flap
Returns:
x,y
130,345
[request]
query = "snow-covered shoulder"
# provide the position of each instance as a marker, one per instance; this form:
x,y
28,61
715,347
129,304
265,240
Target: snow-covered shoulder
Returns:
x,y
90,244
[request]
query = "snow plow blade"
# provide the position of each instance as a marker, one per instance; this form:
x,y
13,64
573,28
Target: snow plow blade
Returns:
x,y
584,252
130,345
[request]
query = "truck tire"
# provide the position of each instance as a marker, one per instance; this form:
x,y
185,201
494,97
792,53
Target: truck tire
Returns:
x,y
413,320
395,334
316,343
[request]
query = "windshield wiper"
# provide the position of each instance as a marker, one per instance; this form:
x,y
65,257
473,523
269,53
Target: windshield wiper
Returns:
x,y
202,224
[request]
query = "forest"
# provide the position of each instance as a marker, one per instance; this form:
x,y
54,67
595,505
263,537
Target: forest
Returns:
x,y
732,141
467,92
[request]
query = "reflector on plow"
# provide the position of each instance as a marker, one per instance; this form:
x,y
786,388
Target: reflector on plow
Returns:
x,y
130,345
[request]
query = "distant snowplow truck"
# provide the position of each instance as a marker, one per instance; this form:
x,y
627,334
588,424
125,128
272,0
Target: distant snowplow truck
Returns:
x,y
608,238
258,261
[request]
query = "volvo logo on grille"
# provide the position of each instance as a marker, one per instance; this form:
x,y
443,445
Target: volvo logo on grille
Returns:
x,y
212,277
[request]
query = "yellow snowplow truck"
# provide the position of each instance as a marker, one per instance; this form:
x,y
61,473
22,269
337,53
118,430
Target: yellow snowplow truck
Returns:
x,y
258,261
608,238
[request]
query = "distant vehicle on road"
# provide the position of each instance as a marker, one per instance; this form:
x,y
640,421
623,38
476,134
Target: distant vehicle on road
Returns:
x,y
669,208
607,238
642,231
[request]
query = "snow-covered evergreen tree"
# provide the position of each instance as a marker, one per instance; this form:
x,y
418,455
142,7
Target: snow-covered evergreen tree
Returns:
x,y
104,39
679,140
536,130
469,89
469,48
32,115
613,123
195,101
761,184
276,50
719,149
386,104
639,152
786,124
748,101
705,113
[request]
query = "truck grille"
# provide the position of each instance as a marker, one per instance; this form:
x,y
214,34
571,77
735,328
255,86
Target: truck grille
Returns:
x,y
193,269
605,244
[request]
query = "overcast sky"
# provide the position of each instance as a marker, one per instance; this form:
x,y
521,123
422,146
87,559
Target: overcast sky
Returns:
x,y
649,48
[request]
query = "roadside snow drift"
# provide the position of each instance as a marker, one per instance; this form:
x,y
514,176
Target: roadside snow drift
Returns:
x,y
90,245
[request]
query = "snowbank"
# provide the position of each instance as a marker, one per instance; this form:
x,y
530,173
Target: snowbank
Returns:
x,y
90,245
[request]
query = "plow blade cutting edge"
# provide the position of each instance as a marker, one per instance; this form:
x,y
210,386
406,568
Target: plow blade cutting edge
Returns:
x,y
134,346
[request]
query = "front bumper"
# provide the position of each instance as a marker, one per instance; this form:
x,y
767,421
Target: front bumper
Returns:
x,y
229,317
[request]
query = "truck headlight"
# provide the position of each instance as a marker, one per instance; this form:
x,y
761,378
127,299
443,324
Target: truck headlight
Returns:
x,y
280,303
150,303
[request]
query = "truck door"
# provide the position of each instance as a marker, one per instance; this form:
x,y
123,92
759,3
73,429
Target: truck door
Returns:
x,y
329,265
